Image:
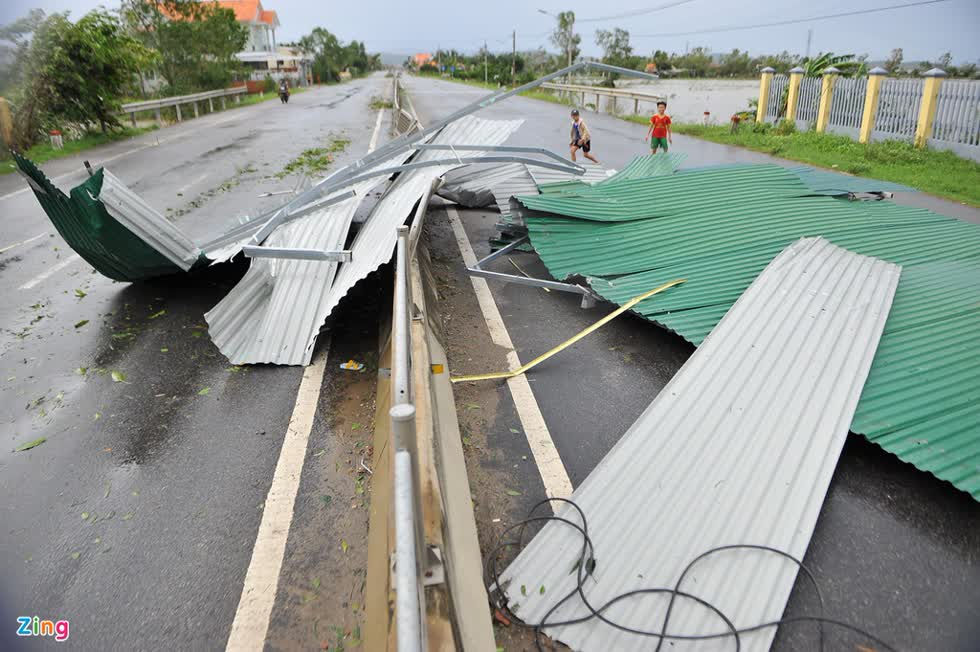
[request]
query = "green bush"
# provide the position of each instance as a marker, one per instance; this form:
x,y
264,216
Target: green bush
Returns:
x,y
270,84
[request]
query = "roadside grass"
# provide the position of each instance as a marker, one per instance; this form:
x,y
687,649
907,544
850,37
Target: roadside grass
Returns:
x,y
936,172
45,152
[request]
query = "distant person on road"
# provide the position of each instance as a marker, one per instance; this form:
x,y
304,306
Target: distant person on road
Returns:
x,y
581,138
659,132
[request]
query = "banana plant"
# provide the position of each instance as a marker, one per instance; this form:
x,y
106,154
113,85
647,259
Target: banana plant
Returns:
x,y
846,63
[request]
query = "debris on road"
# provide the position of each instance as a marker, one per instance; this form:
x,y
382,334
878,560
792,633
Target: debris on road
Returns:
x,y
350,365
739,448
570,341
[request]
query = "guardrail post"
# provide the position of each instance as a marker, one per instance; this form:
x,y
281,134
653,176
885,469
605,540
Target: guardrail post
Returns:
x,y
159,117
927,109
636,106
6,122
765,81
210,105
238,98
132,118
177,106
875,77
793,99
826,96
196,112
224,105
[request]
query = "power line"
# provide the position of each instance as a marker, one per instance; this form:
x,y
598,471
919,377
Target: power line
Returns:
x,y
790,22
634,13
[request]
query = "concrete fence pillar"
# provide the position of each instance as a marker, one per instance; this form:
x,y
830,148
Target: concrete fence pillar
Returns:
x,y
765,83
927,109
826,96
6,123
793,99
875,78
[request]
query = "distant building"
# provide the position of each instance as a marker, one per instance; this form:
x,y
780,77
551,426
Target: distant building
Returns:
x,y
261,55
421,59
261,23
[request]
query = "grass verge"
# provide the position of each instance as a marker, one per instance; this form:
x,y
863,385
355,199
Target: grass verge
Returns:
x,y
45,152
936,172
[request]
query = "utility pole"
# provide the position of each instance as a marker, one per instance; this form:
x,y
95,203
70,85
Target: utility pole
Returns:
x,y
513,57
809,37
484,61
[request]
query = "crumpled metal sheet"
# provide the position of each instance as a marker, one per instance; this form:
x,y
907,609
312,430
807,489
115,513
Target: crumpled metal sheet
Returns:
x,y
739,448
273,315
130,210
473,186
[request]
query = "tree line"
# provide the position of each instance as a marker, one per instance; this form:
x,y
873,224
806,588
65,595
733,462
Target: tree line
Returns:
x,y
696,62
74,76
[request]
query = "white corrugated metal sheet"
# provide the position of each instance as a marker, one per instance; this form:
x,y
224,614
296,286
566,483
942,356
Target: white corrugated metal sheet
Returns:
x,y
739,448
592,174
129,209
472,186
273,315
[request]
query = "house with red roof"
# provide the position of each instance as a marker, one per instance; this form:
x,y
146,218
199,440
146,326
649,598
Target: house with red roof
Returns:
x,y
261,23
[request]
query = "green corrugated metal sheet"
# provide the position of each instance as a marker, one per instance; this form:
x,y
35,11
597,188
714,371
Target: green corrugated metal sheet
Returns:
x,y
96,236
922,399
651,165
825,182
641,198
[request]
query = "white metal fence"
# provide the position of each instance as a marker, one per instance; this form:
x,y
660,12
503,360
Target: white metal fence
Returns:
x,y
806,110
898,108
776,97
958,113
176,101
847,102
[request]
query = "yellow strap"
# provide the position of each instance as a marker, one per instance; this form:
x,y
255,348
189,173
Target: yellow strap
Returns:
x,y
572,340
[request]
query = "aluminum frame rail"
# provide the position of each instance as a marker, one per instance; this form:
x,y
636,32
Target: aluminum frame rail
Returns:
x,y
343,176
588,297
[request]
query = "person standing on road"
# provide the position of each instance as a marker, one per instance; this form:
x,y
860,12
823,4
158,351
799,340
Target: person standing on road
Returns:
x,y
659,132
581,138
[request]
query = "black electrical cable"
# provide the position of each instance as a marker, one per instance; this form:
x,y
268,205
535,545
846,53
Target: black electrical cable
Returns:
x,y
585,567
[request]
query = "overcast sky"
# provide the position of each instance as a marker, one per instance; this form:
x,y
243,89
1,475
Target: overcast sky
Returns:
x,y
925,32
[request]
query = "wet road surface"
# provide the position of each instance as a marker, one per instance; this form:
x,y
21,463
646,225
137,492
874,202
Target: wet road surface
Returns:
x,y
895,551
135,518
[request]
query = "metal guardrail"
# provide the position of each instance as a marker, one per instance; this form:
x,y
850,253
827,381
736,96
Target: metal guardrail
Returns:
x,y
409,538
404,118
177,100
600,91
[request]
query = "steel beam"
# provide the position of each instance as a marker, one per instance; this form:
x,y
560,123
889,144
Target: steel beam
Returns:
x,y
500,148
252,251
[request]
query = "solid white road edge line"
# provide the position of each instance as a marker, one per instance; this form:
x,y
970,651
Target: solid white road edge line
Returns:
x,y
552,470
251,624
40,278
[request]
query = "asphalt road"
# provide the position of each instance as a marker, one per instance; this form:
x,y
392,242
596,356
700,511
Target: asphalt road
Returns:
x,y
895,551
136,517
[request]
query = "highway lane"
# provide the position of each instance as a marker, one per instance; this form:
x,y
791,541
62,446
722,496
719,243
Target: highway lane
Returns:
x,y
895,551
136,518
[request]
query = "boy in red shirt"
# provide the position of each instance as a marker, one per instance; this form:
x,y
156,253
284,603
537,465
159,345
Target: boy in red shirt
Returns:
x,y
659,131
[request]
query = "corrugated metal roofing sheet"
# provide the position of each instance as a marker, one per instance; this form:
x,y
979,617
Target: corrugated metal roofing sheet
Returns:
x,y
650,165
641,198
592,174
722,246
276,311
473,185
156,230
825,182
88,228
739,448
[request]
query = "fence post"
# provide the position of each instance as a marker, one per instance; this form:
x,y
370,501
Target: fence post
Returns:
x,y
6,123
927,109
795,79
159,117
875,77
224,105
210,105
826,95
196,112
764,83
177,106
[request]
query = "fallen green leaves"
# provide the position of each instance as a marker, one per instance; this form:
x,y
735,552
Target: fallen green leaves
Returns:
x,y
81,323
31,444
118,377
